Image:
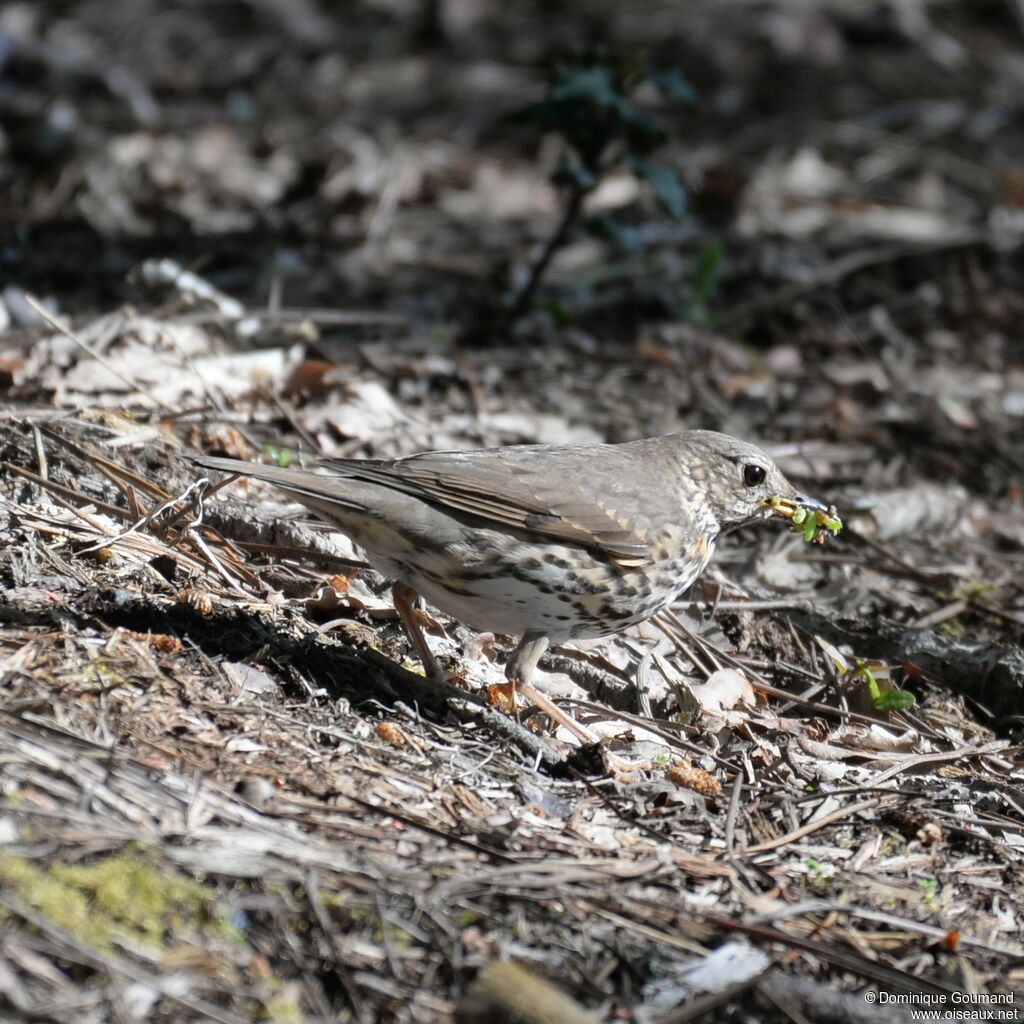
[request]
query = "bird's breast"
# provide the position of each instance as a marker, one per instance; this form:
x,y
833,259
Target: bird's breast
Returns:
x,y
561,590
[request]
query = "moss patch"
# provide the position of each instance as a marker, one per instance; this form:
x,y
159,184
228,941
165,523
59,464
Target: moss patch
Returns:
x,y
125,896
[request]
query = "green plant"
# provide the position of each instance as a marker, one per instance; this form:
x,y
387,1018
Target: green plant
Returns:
x,y
704,284
590,105
929,892
278,456
884,694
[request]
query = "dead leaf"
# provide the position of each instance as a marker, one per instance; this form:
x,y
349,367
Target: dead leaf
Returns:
x,y
723,690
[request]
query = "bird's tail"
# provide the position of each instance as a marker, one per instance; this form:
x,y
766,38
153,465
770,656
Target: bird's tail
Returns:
x,y
321,493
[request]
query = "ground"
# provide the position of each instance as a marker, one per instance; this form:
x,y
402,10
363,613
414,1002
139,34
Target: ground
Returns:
x,y
228,793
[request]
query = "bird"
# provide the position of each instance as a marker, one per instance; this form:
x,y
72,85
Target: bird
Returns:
x,y
544,542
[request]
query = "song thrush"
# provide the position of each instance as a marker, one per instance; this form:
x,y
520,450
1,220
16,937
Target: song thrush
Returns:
x,y
543,542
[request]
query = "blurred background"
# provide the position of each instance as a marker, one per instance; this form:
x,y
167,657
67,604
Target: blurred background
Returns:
x,y
834,185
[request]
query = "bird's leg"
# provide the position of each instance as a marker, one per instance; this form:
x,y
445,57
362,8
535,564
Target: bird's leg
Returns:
x,y
405,598
519,670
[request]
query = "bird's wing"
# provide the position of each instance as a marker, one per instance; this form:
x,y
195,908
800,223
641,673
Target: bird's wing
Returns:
x,y
521,488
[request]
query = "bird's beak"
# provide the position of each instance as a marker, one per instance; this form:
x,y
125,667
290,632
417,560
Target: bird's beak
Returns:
x,y
806,501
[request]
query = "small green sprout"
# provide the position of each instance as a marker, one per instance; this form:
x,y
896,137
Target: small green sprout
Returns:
x,y
884,694
278,456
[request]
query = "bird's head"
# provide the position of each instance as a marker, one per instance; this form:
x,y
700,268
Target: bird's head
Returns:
x,y
738,481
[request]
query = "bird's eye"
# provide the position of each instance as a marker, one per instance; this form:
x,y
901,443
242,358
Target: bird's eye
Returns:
x,y
753,474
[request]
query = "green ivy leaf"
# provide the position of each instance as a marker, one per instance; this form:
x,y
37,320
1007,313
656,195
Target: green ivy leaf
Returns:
x,y
592,83
667,185
671,84
643,135
575,175
623,235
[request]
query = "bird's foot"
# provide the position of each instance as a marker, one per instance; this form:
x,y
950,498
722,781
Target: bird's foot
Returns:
x,y
504,695
620,768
